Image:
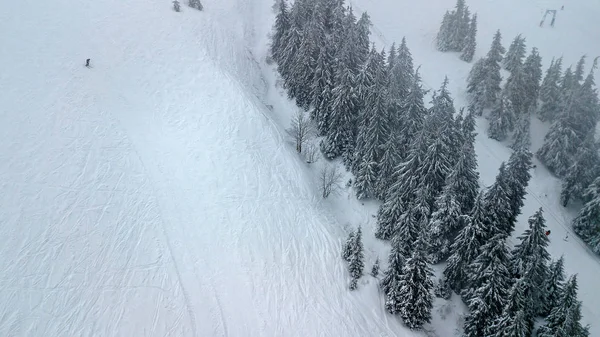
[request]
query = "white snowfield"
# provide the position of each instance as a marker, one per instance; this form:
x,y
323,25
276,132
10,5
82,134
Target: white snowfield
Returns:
x,y
151,195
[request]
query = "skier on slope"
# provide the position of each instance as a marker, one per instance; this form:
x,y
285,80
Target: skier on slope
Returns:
x,y
87,63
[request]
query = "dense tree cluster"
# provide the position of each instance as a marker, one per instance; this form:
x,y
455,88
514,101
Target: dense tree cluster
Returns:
x,y
458,32
419,160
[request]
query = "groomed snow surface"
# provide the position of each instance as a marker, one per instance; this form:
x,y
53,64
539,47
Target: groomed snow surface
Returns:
x,y
155,194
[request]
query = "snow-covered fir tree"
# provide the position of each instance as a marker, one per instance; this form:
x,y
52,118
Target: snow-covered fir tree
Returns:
x,y
415,288
470,44
401,76
404,190
348,246
195,4
530,261
390,284
489,283
454,29
444,224
565,319
587,222
516,90
281,27
499,203
375,268
465,248
553,285
464,178
444,36
413,113
501,119
532,70
492,79
373,130
176,6
322,87
414,220
550,92
581,175
392,157
313,39
522,136
560,146
475,89
514,320
484,79
515,54
517,180
356,262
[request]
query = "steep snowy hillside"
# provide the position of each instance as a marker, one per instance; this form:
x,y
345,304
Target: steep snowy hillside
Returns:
x,y
151,195
575,33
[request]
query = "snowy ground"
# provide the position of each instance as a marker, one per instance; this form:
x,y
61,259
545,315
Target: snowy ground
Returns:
x,y
152,195
155,194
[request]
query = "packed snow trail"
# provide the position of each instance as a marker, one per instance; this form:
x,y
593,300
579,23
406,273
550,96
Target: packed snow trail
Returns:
x,y
151,195
574,35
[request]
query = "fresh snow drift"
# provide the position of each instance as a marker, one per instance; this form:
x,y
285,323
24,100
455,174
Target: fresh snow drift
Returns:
x,y
151,195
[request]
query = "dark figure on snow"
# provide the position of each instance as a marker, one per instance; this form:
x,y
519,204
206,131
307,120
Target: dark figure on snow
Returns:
x,y
548,233
562,8
87,62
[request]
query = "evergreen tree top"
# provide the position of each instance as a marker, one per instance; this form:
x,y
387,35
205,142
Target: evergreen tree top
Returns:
x,y
496,51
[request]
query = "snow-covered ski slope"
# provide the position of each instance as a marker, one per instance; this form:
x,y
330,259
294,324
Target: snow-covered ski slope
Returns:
x,y
576,32
152,195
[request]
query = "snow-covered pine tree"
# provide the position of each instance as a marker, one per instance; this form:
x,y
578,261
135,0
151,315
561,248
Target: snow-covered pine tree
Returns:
x,y
530,260
565,319
444,224
468,126
516,182
475,89
356,262
287,55
403,190
392,157
532,69
348,246
587,222
522,136
373,129
392,58
341,136
313,39
516,90
412,222
516,53
375,269
489,283
492,79
470,44
195,4
553,285
322,86
514,320
550,92
281,27
464,178
560,146
465,248
415,288
413,113
501,119
581,175
444,36
390,284
362,43
460,28
176,6
401,75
